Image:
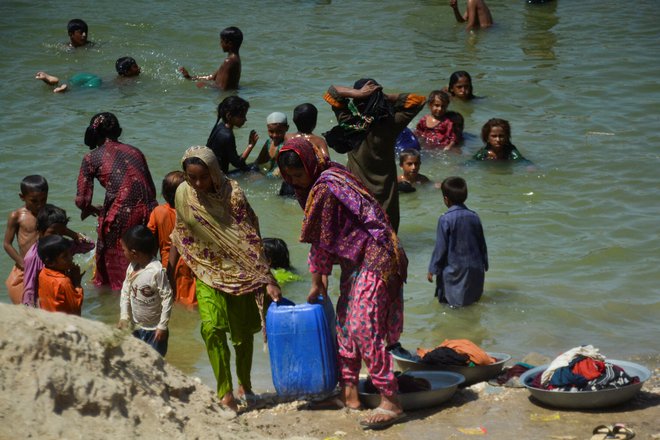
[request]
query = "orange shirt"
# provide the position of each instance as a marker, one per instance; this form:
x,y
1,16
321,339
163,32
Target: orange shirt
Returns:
x,y
161,223
58,294
466,347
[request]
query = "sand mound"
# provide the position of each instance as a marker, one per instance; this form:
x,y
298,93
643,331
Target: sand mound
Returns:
x,y
67,377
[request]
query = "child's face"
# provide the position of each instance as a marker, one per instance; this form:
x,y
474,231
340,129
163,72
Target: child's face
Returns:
x,y
78,38
34,201
462,88
225,45
276,132
497,138
438,107
134,70
55,229
199,178
63,262
237,120
410,167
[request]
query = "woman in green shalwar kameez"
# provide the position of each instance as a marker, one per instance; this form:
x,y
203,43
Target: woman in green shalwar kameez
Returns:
x,y
217,235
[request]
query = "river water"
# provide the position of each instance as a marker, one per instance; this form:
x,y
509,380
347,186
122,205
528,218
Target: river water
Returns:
x,y
573,242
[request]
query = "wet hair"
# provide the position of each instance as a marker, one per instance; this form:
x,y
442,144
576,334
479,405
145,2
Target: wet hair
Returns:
x,y
444,96
140,238
231,106
232,35
456,118
305,117
76,25
453,79
102,126
171,182
51,247
124,64
289,159
405,154
455,189
50,215
496,122
34,183
277,253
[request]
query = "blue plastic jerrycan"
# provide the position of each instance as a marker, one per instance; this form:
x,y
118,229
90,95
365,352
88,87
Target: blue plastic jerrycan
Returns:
x,y
302,348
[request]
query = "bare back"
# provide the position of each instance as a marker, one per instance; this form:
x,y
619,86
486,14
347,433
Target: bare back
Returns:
x,y
229,73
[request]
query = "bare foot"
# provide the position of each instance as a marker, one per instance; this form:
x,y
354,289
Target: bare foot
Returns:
x,y
350,396
61,89
229,401
48,79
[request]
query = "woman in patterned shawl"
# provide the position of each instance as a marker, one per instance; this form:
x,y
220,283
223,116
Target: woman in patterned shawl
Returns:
x,y
217,235
345,225
130,194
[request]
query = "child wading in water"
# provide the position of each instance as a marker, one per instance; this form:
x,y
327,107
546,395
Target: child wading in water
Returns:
x,y
460,86
161,223
460,257
477,15
59,281
22,226
229,73
277,125
496,134
232,112
146,297
436,130
50,220
410,162
217,235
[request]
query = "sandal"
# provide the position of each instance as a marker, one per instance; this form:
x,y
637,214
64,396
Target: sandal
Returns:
x,y
393,418
618,431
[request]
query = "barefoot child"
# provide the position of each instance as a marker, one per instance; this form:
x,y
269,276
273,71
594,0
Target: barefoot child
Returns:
x,y
146,297
229,73
436,130
59,280
496,134
50,220
232,112
277,126
460,257
410,162
161,223
477,15
22,226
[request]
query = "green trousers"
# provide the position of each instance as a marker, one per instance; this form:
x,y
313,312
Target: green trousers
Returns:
x,y
221,313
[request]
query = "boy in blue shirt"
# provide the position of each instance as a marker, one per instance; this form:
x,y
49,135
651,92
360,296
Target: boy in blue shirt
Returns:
x,y
460,257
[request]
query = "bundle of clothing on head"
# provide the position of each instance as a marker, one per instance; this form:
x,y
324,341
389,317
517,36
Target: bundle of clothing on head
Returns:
x,y
582,368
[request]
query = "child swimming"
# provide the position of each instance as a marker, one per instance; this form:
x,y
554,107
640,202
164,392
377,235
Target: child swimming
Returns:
x,y
436,130
496,134
460,86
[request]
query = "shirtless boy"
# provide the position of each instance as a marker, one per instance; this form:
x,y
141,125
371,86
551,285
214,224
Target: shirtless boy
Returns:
x,y
22,225
229,73
477,15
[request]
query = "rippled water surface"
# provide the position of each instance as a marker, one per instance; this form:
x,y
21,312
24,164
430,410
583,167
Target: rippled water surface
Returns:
x,y
573,242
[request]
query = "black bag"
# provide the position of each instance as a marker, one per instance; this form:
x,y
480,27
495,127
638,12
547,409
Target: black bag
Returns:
x,y
343,140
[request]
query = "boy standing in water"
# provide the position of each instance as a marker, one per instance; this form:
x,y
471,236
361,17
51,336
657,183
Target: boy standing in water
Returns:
x,y
229,73
477,15
22,225
460,257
